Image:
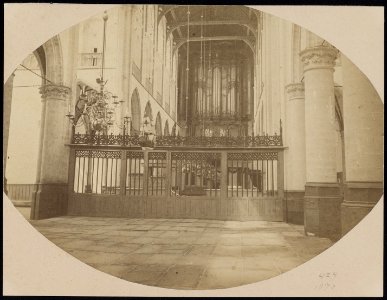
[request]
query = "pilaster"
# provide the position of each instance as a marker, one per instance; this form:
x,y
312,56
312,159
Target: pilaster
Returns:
x,y
363,138
295,154
124,59
7,98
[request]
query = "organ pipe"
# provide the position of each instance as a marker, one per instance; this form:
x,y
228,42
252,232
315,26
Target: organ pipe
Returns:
x,y
223,88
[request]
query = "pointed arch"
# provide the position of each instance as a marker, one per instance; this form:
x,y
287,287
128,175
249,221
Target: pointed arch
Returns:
x,y
173,133
53,60
148,112
136,112
158,125
40,56
166,128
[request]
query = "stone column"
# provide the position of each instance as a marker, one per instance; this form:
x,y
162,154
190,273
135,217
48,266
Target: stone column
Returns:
x,y
50,198
7,98
322,192
363,139
295,154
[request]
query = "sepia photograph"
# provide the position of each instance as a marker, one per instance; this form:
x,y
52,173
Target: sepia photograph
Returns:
x,y
191,147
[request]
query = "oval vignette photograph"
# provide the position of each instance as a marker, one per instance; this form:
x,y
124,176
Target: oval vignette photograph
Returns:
x,y
191,147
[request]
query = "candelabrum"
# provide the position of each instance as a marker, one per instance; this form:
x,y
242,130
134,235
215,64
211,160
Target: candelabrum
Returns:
x,y
96,111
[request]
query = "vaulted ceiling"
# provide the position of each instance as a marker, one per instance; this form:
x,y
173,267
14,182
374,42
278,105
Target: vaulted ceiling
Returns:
x,y
211,23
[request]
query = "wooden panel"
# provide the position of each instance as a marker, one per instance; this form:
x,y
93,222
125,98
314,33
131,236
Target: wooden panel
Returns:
x,y
188,208
163,204
178,206
170,210
147,206
158,208
141,207
270,209
182,206
21,191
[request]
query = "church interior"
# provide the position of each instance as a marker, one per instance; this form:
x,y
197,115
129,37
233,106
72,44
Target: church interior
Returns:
x,y
198,112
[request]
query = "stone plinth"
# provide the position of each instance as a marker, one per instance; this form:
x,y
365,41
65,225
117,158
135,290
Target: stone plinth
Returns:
x,y
322,210
359,199
295,206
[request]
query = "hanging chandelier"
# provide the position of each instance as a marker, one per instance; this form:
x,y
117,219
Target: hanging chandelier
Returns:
x,y
97,108
202,81
185,126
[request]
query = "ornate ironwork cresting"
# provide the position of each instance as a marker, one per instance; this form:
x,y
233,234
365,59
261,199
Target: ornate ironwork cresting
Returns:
x,y
221,141
106,140
174,140
179,141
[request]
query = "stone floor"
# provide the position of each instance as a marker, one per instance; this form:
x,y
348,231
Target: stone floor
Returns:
x,y
183,253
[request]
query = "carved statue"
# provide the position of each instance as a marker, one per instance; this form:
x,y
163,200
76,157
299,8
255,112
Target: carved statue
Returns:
x,y
91,111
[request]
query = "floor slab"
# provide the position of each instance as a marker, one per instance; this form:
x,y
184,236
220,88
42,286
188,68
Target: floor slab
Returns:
x,y
183,254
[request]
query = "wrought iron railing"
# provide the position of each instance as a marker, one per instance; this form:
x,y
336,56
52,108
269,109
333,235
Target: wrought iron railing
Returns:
x,y
106,140
179,141
220,141
221,116
175,172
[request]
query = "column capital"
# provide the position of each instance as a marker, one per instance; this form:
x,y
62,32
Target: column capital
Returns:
x,y
59,92
295,90
320,57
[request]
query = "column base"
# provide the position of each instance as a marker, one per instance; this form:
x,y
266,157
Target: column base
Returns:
x,y
295,207
359,199
322,210
49,200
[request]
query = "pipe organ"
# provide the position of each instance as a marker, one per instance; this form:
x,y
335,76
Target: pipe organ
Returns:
x,y
220,95
216,90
